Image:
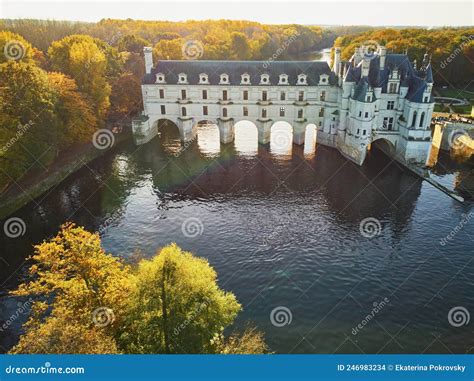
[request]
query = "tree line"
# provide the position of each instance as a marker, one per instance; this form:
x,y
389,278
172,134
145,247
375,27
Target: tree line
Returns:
x,y
451,49
84,300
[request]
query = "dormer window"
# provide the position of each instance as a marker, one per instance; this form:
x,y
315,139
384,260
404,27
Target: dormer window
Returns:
x,y
182,78
324,79
368,98
160,78
264,79
245,79
203,78
224,79
283,79
302,79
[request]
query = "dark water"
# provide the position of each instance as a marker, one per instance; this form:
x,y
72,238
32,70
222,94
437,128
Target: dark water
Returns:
x,y
281,226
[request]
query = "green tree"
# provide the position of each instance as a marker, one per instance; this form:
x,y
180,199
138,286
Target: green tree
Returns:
x,y
132,43
176,305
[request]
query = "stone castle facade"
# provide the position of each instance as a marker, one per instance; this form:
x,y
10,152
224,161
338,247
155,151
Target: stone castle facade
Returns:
x,y
373,96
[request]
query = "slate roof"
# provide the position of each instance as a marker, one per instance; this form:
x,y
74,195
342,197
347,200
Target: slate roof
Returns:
x,y
415,80
172,68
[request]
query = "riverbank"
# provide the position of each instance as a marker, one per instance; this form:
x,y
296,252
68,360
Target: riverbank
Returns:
x,y
32,186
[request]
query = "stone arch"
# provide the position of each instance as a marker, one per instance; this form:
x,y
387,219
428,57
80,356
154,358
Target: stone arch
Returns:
x,y
207,134
246,137
310,139
281,137
169,134
385,145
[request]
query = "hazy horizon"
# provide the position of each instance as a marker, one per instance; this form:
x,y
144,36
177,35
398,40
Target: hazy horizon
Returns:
x,y
385,13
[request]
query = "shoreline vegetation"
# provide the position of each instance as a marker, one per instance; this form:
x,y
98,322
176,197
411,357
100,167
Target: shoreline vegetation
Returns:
x,y
87,301
62,82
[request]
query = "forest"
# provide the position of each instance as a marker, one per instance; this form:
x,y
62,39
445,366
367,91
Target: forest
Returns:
x,y
61,81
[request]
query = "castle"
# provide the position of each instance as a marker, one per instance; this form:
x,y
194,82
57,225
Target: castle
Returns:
x,y
374,96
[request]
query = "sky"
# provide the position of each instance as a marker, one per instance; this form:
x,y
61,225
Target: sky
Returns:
x,y
426,13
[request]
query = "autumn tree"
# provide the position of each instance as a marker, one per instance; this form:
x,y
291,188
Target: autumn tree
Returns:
x,y
14,47
79,296
169,49
176,305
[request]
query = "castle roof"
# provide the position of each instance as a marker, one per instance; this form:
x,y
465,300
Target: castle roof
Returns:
x,y
235,69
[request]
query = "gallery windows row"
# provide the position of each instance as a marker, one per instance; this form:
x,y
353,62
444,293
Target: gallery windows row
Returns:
x,y
245,112
264,96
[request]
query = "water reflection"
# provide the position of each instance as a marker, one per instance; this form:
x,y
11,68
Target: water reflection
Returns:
x,y
208,139
281,140
310,141
246,138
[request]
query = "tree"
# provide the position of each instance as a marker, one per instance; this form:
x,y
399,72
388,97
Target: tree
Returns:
x,y
169,49
176,305
77,121
240,46
79,296
132,43
14,47
82,58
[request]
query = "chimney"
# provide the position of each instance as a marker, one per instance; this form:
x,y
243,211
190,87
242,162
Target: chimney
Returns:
x,y
337,60
365,67
383,56
147,51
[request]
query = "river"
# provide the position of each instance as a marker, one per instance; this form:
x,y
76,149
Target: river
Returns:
x,y
281,225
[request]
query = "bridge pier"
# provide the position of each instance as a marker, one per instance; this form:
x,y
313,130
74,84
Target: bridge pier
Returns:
x,y
226,130
186,130
299,132
264,129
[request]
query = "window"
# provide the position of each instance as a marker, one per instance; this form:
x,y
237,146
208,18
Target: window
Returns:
x,y
364,132
388,123
163,110
283,79
301,96
282,96
264,112
360,114
162,93
183,94
282,111
300,113
392,88
182,78
224,95
322,96
203,78
224,78
264,95
321,111
246,111
358,131
204,110
366,114
413,120
160,78
425,99
302,79
204,94
246,95
224,112
422,119
183,111
264,79
245,78
390,105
